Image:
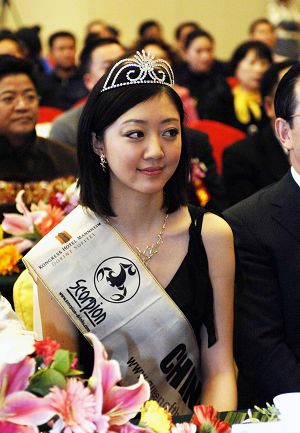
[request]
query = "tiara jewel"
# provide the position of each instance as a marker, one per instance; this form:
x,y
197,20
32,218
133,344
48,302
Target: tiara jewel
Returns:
x,y
143,68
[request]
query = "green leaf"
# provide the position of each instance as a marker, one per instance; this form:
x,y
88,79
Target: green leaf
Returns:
x,y
61,361
44,379
73,372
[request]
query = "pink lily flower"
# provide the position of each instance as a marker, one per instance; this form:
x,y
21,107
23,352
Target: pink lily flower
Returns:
x,y
20,225
18,407
119,403
19,242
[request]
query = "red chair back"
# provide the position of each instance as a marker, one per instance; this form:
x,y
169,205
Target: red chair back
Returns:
x,y
220,136
47,114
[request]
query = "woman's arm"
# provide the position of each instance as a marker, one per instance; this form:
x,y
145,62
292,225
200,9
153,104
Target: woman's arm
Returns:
x,y
55,322
219,378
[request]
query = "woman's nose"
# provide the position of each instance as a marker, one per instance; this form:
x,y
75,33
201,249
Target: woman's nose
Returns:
x,y
154,148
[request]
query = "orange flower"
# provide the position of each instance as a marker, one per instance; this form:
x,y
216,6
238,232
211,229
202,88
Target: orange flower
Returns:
x,y
53,217
9,257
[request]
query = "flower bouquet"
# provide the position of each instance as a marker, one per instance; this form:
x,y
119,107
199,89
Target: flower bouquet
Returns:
x,y
41,389
20,231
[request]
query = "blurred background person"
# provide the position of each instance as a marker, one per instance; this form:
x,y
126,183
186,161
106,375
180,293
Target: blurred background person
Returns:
x,y
263,30
63,87
25,157
259,159
181,32
95,58
201,70
285,16
32,47
10,44
150,29
237,102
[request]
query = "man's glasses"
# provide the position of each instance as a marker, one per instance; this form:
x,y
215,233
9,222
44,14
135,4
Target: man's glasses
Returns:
x,y
30,98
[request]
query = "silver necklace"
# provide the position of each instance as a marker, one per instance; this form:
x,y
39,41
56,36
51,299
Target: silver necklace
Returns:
x,y
150,250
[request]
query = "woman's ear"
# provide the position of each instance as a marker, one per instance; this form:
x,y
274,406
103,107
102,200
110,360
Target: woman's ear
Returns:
x,y
97,144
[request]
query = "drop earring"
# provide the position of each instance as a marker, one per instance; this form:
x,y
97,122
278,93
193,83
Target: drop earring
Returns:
x,y
103,162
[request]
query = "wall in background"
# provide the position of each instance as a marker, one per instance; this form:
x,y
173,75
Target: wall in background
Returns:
x,y
227,20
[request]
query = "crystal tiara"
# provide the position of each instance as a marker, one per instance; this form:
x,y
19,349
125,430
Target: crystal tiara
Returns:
x,y
143,68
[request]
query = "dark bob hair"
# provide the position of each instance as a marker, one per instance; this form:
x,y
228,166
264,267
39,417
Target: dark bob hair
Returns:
x,y
262,52
101,111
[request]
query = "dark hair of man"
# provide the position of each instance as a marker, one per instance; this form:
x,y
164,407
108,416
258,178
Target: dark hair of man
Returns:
x,y
86,54
262,51
5,35
257,22
285,100
197,34
61,34
271,77
102,110
11,65
181,26
146,25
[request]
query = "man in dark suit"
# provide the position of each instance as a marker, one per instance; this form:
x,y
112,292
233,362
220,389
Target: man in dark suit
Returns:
x,y
266,228
259,159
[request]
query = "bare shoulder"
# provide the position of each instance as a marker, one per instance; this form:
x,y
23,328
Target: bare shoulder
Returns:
x,y
215,229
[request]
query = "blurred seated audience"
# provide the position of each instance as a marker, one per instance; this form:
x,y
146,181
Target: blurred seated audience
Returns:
x,y
32,46
24,157
181,32
237,102
259,159
162,50
201,71
95,58
10,44
263,30
62,87
150,29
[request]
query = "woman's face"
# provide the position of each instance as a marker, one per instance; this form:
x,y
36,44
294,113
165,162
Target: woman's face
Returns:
x,y
143,147
250,71
200,54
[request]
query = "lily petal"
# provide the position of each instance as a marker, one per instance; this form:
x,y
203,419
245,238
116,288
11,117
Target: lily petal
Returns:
x,y
25,408
19,242
15,342
129,399
17,375
16,224
9,427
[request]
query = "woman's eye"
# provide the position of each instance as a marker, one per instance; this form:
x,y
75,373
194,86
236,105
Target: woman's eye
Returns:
x,y
172,132
135,134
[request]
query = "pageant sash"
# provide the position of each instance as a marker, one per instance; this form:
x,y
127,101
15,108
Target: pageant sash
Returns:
x,y
105,289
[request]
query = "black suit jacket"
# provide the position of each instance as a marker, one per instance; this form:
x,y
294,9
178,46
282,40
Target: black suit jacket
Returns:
x,y
253,163
266,229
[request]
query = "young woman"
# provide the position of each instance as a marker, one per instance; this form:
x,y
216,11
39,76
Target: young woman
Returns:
x,y
133,175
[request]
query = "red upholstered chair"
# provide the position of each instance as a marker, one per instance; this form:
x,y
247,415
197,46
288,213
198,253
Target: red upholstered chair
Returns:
x,y
220,135
47,114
